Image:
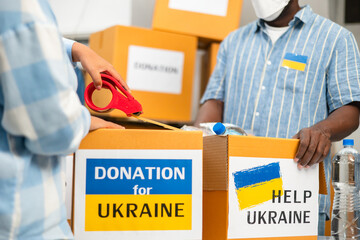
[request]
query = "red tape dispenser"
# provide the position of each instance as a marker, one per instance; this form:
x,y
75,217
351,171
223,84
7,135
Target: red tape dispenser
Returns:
x,y
122,100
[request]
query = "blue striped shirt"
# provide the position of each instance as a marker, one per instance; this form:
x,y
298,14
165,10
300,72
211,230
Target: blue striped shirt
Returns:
x,y
42,120
261,95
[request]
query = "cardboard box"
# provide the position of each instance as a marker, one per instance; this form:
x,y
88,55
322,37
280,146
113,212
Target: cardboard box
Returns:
x,y
138,184
158,67
210,20
212,52
242,180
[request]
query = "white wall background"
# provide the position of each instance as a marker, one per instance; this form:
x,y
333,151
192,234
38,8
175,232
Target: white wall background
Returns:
x,y
77,19
321,7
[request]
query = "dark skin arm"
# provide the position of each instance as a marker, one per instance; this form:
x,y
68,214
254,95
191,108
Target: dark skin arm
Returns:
x,y
315,141
210,111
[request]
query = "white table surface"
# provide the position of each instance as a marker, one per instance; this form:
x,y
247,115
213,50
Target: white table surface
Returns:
x,y
324,238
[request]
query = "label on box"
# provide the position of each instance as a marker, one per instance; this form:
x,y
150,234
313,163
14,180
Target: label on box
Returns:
x,y
155,70
271,197
138,194
211,7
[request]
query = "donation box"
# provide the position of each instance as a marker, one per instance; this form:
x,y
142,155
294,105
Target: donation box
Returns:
x,y
138,184
158,67
254,190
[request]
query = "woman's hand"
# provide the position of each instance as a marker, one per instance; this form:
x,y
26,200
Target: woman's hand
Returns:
x,y
94,65
97,123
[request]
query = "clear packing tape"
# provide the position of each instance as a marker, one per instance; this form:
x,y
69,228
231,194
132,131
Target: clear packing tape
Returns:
x,y
156,123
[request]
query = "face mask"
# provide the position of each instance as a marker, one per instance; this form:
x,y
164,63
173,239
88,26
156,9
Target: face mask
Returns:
x,y
269,10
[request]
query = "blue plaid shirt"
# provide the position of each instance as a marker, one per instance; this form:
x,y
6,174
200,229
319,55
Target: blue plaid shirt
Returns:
x,y
42,120
275,101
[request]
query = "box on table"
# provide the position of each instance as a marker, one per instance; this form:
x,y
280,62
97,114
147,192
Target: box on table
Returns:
x,y
138,184
157,66
253,190
210,20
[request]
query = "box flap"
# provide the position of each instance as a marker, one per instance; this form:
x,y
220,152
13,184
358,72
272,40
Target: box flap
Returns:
x,y
142,139
270,147
215,166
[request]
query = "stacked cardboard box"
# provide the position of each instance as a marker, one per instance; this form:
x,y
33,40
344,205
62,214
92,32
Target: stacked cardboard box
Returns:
x,y
210,20
159,64
158,67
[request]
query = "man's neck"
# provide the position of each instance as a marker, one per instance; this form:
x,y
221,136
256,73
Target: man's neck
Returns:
x,y
287,15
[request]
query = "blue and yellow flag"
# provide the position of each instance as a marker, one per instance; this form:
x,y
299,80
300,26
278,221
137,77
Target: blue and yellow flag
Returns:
x,y
294,61
256,185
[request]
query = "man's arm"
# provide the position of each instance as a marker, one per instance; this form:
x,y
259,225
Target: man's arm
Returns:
x,y
343,98
210,111
315,141
213,99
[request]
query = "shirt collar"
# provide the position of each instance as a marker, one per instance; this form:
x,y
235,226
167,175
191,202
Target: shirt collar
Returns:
x,y
304,15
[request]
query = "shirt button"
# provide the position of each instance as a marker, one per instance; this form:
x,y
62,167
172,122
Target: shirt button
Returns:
x,y
269,62
263,87
257,114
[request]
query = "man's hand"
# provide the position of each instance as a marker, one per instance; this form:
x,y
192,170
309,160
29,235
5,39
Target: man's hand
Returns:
x,y
97,123
314,146
315,141
94,65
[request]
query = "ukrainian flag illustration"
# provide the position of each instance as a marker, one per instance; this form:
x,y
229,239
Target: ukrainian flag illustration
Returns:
x,y
255,185
294,61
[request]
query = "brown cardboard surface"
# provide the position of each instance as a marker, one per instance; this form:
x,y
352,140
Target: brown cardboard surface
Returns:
x,y
138,139
270,147
205,26
215,215
215,207
142,139
216,167
216,164
213,49
113,45
210,65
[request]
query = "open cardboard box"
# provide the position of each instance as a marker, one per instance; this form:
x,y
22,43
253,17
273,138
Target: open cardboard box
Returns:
x,y
157,66
235,208
138,184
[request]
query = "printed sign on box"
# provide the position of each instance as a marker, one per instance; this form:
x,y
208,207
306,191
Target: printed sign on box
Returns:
x,y
137,194
270,197
254,190
155,70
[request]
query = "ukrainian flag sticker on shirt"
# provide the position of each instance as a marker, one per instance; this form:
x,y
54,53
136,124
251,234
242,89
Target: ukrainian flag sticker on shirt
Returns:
x,y
295,61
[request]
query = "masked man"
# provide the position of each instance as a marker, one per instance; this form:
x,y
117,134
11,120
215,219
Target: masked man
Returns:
x,y
290,74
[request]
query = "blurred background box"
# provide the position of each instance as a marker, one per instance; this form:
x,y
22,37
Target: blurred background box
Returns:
x,y
211,56
210,20
158,67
